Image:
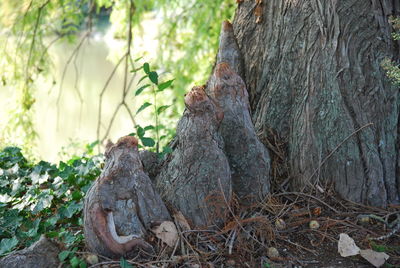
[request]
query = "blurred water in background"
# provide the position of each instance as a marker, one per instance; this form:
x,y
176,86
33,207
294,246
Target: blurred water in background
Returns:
x,y
84,79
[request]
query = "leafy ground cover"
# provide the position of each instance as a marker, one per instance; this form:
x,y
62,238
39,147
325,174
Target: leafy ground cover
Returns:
x,y
44,198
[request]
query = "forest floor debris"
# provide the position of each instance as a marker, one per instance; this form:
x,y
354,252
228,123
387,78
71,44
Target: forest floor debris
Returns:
x,y
287,230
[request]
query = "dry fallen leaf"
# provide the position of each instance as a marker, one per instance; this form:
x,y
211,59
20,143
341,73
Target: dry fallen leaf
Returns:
x,y
183,223
347,246
166,232
317,211
377,259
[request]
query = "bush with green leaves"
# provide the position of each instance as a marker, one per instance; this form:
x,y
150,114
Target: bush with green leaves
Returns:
x,y
44,198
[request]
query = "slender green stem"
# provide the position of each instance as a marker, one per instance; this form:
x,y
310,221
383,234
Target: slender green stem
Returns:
x,y
156,117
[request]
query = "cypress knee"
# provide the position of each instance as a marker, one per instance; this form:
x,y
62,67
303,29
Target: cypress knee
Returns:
x,y
121,204
198,172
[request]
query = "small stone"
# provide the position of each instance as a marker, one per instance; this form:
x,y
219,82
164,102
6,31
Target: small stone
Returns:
x,y
364,219
92,259
272,252
230,262
280,224
314,225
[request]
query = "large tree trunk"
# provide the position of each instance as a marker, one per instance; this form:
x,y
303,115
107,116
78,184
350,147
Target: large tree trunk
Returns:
x,y
312,69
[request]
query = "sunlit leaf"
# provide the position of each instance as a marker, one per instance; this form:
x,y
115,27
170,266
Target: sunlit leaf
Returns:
x,y
140,90
153,77
162,108
146,68
44,201
144,106
165,85
149,127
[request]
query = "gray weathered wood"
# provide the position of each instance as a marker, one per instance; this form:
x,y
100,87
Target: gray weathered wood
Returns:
x,y
42,254
197,172
248,158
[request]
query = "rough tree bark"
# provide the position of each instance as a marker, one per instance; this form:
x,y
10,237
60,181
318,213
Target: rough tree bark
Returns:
x,y
312,68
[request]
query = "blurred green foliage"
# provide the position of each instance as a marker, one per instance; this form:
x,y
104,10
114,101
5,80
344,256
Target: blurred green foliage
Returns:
x,y
391,68
188,40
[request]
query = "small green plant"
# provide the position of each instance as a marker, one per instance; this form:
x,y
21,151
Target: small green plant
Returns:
x,y
159,130
44,198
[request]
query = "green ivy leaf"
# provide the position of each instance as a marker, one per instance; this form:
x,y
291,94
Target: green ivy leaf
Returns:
x,y
162,108
52,234
69,210
124,264
43,201
75,261
77,195
33,231
7,244
163,86
144,106
140,90
63,255
153,77
146,68
149,142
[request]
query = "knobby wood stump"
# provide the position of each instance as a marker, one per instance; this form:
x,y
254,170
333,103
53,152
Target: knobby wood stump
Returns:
x,y
196,179
248,158
215,152
121,205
